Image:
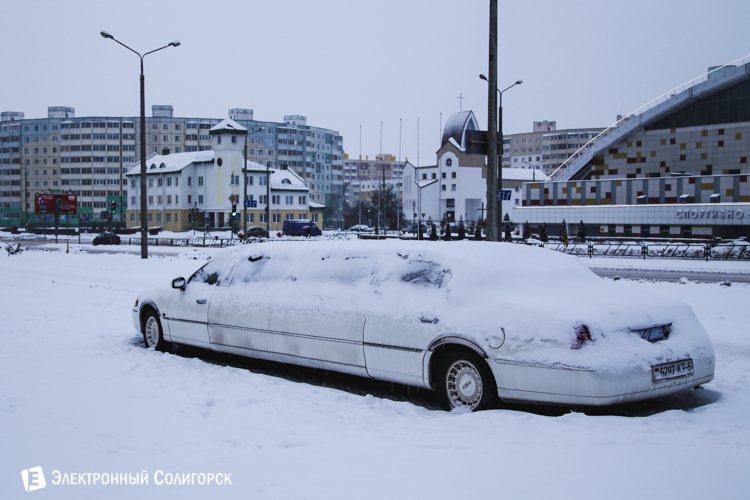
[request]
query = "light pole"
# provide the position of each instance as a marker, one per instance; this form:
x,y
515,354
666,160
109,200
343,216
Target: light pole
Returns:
x,y
499,155
244,200
144,206
533,169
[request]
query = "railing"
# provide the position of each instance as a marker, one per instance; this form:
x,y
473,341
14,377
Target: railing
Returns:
x,y
649,105
707,251
185,242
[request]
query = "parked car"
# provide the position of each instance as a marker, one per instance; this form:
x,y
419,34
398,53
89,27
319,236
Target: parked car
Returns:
x,y
362,228
107,238
412,230
254,232
300,227
479,324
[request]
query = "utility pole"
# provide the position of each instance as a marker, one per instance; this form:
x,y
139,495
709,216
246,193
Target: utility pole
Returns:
x,y
492,225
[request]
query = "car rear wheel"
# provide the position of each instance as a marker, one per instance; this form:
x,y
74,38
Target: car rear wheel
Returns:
x,y
152,333
465,381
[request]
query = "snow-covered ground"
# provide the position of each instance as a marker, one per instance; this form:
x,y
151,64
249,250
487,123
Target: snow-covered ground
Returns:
x,y
79,394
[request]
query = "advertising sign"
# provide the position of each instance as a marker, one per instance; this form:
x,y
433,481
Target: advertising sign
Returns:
x,y
65,203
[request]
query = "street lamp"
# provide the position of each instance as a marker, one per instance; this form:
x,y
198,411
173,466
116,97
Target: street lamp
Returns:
x,y
144,206
244,200
533,169
494,191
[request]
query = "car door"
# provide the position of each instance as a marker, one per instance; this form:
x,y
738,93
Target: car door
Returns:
x,y
395,348
187,312
243,320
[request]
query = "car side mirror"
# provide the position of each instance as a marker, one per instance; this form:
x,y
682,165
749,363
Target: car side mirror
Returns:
x,y
178,283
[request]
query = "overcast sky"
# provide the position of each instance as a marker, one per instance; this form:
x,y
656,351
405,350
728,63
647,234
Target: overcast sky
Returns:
x,y
351,63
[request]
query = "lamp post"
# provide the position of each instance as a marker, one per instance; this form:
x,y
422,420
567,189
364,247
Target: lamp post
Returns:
x,y
492,191
244,199
144,206
533,169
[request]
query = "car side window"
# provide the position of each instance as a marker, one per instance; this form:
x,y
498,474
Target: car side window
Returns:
x,y
208,274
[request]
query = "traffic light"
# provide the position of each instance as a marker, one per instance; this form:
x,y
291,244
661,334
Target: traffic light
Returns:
x,y
191,217
234,210
113,207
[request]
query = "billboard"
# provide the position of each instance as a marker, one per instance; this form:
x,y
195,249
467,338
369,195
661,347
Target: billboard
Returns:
x,y
65,203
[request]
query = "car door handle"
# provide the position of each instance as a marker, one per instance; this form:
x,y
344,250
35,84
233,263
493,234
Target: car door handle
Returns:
x,y
200,301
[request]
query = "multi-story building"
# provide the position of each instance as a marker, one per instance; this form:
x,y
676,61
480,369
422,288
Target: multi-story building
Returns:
x,y
455,188
207,184
677,167
89,156
363,177
545,148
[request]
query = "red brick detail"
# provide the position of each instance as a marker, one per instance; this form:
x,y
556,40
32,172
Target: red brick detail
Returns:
x,y
743,178
639,193
593,189
638,144
643,159
612,151
670,199
608,196
672,141
654,201
721,144
721,131
637,170
743,159
691,180
682,157
662,164
667,169
597,161
632,160
613,172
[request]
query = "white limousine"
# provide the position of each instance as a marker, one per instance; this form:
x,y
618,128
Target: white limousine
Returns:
x,y
479,323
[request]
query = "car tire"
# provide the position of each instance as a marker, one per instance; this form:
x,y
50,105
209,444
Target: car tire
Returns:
x,y
465,381
153,335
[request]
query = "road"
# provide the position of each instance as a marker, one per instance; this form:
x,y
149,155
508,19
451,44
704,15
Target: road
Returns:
x,y
663,275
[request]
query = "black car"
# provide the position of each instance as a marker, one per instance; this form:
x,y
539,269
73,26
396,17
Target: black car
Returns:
x,y
107,239
254,232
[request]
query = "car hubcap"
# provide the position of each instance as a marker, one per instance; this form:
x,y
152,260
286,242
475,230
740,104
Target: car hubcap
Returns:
x,y
464,385
152,332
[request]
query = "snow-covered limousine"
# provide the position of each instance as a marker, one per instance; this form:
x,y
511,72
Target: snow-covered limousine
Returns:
x,y
479,323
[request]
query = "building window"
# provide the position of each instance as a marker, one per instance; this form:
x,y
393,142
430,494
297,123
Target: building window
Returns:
x,y
448,162
200,180
453,187
276,199
169,218
453,175
289,200
200,199
150,200
276,218
289,216
190,181
302,200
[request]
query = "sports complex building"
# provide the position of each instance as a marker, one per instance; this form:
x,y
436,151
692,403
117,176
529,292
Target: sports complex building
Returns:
x,y
676,167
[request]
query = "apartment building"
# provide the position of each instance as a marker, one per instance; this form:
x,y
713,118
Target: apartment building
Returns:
x,y
89,156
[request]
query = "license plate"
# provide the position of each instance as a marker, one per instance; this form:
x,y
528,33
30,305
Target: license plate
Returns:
x,y
672,370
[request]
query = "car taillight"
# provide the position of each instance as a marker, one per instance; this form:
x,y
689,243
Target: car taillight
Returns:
x,y
136,303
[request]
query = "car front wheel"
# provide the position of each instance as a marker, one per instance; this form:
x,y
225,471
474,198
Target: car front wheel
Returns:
x,y
465,381
152,333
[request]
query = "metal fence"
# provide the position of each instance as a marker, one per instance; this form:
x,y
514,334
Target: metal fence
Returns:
x,y
185,242
707,251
